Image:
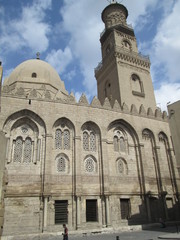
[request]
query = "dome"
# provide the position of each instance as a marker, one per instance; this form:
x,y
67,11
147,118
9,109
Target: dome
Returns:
x,y
35,71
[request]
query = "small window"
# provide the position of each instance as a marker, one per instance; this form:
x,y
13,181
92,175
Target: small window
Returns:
x,y
34,75
61,211
126,45
125,208
137,86
91,210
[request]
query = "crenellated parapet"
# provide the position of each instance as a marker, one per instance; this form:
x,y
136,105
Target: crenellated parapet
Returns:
x,y
33,94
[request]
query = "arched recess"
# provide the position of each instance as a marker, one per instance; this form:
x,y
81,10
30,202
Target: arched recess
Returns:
x,y
122,167
137,85
90,165
120,129
91,153
153,167
63,132
166,155
90,137
25,131
108,89
62,163
63,141
126,44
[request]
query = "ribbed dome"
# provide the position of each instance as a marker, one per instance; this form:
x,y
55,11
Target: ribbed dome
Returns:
x,y
35,71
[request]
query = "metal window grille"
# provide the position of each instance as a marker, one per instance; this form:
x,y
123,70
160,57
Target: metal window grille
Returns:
x,y
18,150
120,166
85,141
92,142
58,139
90,165
27,150
61,211
61,164
66,140
91,210
125,208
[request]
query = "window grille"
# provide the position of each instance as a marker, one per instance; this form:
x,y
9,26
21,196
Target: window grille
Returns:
x,y
91,210
89,165
61,164
92,142
85,141
61,211
58,139
27,150
120,166
18,150
125,208
66,140
116,145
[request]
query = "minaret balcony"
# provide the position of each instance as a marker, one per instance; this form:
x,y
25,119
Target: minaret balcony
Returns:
x,y
125,56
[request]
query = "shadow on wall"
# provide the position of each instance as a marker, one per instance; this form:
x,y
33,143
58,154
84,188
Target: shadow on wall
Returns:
x,y
156,212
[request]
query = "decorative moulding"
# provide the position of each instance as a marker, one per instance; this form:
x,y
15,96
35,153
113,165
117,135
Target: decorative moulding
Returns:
x,y
96,103
150,112
142,110
158,113
164,115
134,109
83,100
107,104
116,106
125,108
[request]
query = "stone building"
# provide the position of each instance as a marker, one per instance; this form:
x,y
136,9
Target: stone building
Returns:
x,y
101,165
174,116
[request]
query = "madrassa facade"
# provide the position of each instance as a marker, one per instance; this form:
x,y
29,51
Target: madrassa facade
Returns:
x,y
100,165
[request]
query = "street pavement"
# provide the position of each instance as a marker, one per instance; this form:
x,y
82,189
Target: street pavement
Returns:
x,y
154,233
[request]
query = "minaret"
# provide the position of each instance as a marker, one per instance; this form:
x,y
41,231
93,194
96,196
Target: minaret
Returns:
x,y
1,75
123,74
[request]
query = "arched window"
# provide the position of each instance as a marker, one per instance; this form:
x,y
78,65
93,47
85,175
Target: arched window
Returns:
x,y
107,89
34,75
119,141
66,139
122,144
137,85
58,139
116,144
90,165
61,164
92,142
121,166
126,44
18,150
85,141
27,150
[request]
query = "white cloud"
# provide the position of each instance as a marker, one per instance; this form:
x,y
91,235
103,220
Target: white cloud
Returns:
x,y
168,92
70,74
30,30
166,45
60,59
81,19
137,9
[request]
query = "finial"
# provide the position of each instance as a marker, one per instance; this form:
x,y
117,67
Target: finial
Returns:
x,y
37,55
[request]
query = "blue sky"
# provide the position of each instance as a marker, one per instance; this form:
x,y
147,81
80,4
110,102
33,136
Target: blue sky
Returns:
x,y
66,33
